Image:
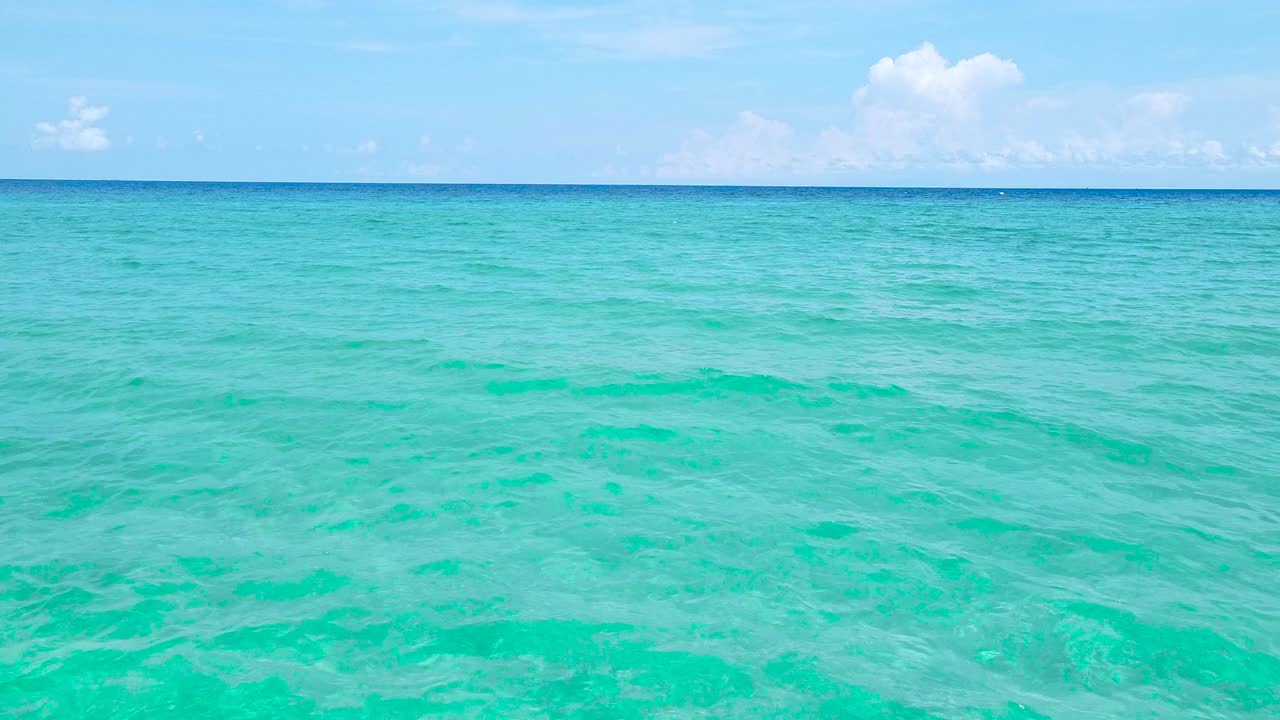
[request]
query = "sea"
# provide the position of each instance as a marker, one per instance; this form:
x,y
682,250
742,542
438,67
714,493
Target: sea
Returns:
x,y
487,451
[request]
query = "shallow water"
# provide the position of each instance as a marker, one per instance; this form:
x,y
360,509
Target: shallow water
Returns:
x,y
392,451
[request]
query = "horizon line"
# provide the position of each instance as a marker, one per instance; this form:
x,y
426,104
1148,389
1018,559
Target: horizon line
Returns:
x,y
726,186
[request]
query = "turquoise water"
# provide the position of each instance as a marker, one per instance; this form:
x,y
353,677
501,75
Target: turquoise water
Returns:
x,y
273,451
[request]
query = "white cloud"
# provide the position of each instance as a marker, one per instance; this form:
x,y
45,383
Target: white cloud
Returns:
x,y
661,42
919,110
915,107
368,147
923,77
919,104
424,142
1265,154
753,146
198,135
78,132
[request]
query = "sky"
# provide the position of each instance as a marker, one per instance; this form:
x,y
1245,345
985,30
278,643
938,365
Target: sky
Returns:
x,y
975,93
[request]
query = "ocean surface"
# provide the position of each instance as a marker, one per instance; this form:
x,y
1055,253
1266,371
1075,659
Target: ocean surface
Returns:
x,y
326,451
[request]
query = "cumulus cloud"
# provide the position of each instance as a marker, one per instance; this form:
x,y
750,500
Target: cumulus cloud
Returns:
x,y
920,110
78,132
920,104
913,106
923,77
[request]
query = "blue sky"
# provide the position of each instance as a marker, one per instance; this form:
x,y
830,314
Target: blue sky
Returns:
x,y
1178,93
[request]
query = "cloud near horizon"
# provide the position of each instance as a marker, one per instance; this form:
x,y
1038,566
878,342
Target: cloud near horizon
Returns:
x,y
79,132
750,91
914,106
920,110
